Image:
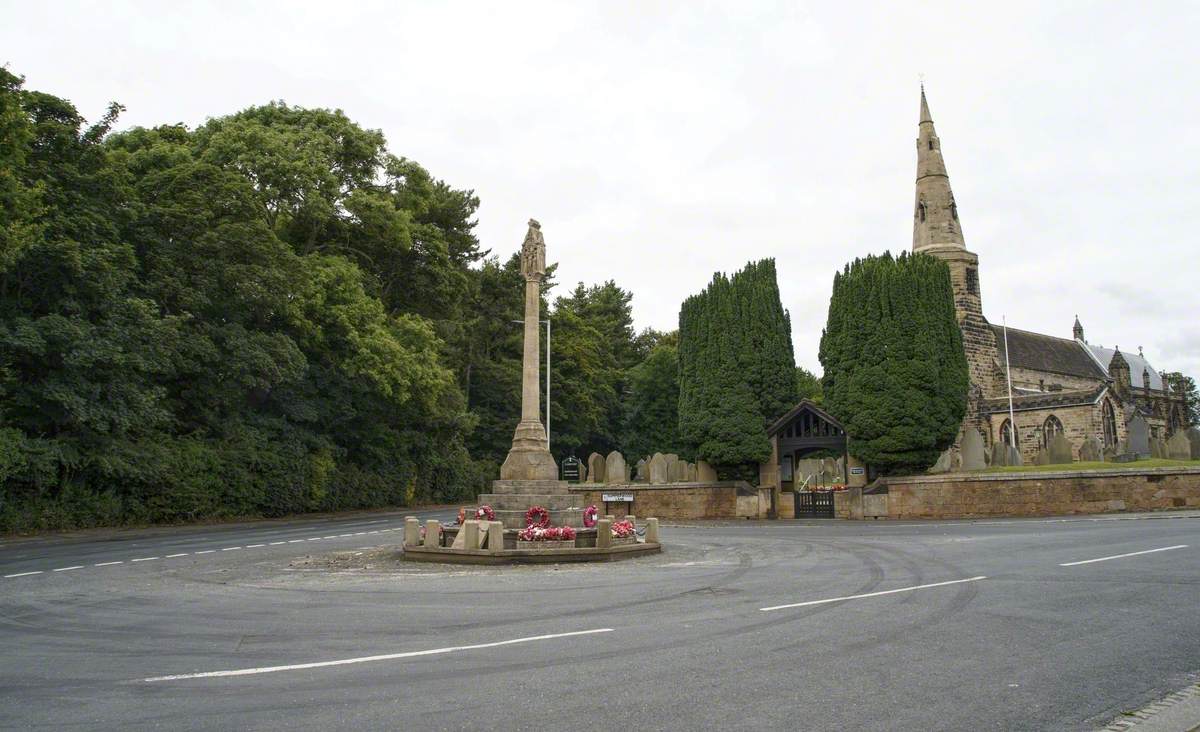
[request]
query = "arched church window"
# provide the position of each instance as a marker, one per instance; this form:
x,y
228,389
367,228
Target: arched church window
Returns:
x,y
1006,434
953,210
1051,427
972,281
921,210
931,143
1108,419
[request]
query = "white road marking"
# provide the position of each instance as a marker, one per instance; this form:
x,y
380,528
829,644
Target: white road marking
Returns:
x,y
295,541
870,594
180,554
231,548
366,659
207,551
254,546
22,574
329,537
108,564
1122,556
372,532
275,543
315,538
341,535
143,559
68,569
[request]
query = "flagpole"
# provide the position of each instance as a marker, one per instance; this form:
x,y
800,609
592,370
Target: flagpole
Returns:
x,y
1012,420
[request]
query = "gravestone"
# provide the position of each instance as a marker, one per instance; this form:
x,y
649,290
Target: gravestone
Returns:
x,y
972,451
1179,447
596,467
628,473
672,460
1091,451
583,473
1158,448
1194,438
641,475
658,469
614,468
691,473
705,472
1004,456
678,472
943,462
1138,436
1060,450
1042,457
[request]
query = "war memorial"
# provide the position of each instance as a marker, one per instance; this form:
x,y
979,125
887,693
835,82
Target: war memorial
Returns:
x,y
530,516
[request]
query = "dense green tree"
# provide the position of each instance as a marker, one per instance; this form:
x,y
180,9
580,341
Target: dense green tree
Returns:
x,y
720,415
763,339
1179,383
895,369
652,407
808,385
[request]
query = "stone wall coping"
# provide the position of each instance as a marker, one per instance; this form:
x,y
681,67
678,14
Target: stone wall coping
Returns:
x,y
621,487
1037,475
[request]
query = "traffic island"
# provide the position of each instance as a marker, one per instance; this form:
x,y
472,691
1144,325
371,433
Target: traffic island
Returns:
x,y
489,543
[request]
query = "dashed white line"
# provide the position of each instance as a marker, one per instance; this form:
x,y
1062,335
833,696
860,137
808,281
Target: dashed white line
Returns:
x,y
22,574
329,537
207,551
1122,556
143,559
68,569
341,535
180,554
108,564
254,546
315,538
276,543
365,659
230,548
295,541
870,594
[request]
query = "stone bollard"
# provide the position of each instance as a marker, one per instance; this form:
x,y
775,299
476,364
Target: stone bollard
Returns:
x,y
433,533
632,519
651,531
495,536
610,518
604,533
470,534
412,531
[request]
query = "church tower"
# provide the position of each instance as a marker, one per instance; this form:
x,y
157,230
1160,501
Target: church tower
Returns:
x,y
937,232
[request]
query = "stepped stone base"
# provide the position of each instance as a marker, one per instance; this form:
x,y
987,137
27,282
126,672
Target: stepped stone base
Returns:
x,y
510,500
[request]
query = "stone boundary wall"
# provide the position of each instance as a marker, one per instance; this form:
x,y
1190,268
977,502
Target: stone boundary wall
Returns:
x,y
1048,493
717,500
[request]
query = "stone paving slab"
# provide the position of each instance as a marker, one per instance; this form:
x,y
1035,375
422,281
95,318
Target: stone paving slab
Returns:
x,y
1178,712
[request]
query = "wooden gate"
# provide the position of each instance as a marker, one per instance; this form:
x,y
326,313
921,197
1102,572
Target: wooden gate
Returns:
x,y
814,504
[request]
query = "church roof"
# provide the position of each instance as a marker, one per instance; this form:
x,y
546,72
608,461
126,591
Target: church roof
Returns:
x,y
1137,364
1038,352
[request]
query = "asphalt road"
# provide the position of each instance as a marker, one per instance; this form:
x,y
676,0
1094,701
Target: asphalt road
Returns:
x,y
817,625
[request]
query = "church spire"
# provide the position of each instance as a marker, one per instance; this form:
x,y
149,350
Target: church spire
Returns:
x,y
935,214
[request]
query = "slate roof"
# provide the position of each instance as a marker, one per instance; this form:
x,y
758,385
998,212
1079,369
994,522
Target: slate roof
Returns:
x,y
1045,399
804,405
1136,364
1039,352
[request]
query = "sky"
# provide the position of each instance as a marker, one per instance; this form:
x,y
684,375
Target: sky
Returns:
x,y
658,143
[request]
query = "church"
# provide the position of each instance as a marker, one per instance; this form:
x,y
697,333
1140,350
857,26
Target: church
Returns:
x,y
1059,385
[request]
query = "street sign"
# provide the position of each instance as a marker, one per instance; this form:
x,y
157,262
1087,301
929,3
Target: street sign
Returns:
x,y
857,471
616,497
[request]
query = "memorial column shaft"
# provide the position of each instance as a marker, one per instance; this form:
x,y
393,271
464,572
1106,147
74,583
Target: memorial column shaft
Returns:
x,y
530,371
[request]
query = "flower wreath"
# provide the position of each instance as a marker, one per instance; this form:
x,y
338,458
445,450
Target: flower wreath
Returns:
x,y
485,512
589,516
462,515
537,516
